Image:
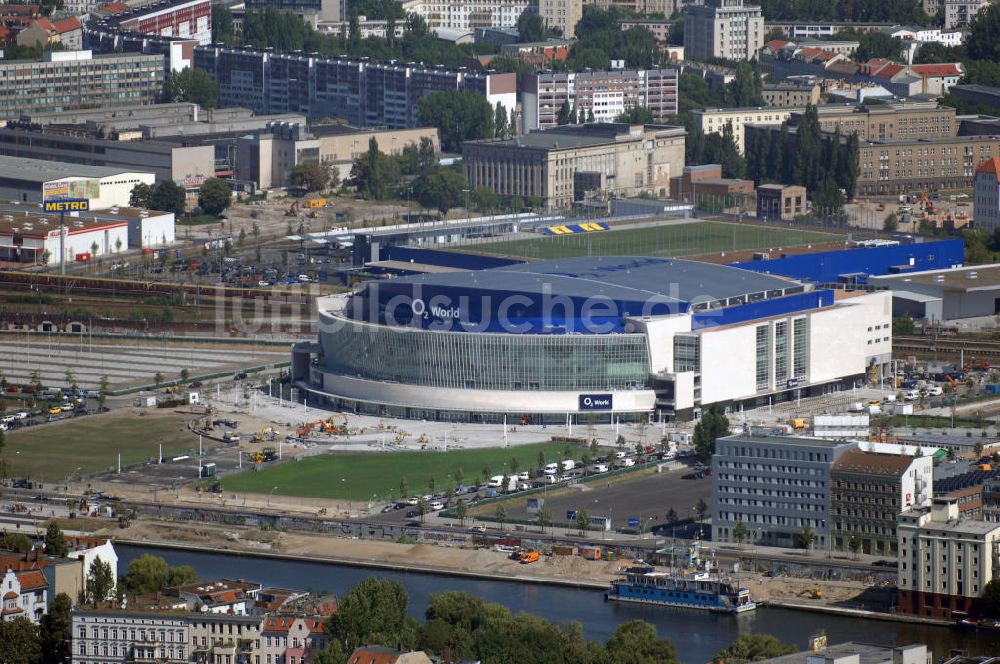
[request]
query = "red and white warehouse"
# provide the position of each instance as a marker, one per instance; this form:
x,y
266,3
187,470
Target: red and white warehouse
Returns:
x,y
189,20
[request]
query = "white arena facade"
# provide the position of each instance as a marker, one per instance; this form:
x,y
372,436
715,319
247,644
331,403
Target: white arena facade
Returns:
x,y
594,338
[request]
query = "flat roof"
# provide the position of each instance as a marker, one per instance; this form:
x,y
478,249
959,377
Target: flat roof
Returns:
x,y
868,653
616,277
570,136
19,215
803,441
42,170
747,255
962,526
966,279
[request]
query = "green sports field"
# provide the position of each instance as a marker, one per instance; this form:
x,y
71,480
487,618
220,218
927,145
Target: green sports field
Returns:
x,y
360,476
676,239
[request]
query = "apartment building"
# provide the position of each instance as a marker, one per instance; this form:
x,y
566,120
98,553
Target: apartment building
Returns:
x,y
562,15
310,10
452,14
67,80
944,561
225,638
870,490
568,163
904,120
714,120
726,29
112,637
959,13
790,94
365,93
564,164
986,195
776,486
603,94
891,167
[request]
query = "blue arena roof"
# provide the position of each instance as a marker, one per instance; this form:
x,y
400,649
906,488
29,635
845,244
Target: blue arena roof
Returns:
x,y
616,277
592,295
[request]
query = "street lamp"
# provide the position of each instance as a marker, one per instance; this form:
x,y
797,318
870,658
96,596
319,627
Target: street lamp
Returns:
x,y
273,489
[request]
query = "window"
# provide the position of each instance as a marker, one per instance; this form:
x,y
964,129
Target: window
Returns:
x,y
763,357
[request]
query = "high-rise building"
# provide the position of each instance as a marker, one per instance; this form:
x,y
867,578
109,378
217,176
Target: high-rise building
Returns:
x,y
366,93
67,80
562,15
726,29
601,94
959,13
986,195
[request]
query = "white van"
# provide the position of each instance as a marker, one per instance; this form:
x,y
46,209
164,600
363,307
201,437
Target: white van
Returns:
x,y
552,469
912,395
935,391
495,482
620,454
600,468
568,464
524,476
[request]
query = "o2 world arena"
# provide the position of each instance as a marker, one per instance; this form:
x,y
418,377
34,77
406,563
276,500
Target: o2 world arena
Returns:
x,y
606,338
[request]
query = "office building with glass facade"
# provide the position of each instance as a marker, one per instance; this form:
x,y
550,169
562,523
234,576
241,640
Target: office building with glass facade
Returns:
x,y
597,337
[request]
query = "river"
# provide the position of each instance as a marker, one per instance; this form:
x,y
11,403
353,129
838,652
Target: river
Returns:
x,y
696,635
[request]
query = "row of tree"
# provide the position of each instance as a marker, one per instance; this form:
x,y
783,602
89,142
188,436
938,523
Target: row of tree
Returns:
x,y
857,11
463,627
825,164
214,196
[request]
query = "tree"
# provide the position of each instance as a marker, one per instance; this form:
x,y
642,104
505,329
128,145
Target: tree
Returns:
x,y
500,125
461,511
100,583
530,28
185,374
991,598
102,392
166,196
157,379
564,116
740,532
223,31
750,647
55,541
806,537
636,115
375,173
983,42
582,521
671,516
373,611
17,542
501,515
746,88
214,196
483,198
404,488
442,188
701,508
311,177
713,424
149,574
191,85
890,223
541,459
458,117
854,544
422,508
636,641
19,642
55,632
543,519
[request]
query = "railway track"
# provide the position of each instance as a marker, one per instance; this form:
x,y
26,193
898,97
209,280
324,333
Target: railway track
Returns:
x,y
972,348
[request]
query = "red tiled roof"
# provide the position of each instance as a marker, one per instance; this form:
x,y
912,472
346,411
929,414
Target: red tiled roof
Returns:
x,y
373,655
944,69
114,7
991,165
314,625
10,594
67,25
32,580
278,623
777,44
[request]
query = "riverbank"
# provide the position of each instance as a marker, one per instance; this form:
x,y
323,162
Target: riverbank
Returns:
x,y
457,558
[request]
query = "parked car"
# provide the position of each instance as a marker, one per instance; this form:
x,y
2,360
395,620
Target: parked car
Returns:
x,y
477,529
437,505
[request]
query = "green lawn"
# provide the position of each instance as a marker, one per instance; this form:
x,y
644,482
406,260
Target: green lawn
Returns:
x,y
52,452
682,239
360,475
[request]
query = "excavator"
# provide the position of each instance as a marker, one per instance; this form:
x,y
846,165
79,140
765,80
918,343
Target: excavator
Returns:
x,y
814,593
328,426
268,434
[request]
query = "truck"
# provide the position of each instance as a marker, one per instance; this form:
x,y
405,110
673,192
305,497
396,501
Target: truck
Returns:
x,y
568,464
208,470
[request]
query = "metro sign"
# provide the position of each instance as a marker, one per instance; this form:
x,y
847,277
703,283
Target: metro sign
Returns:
x,y
67,205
